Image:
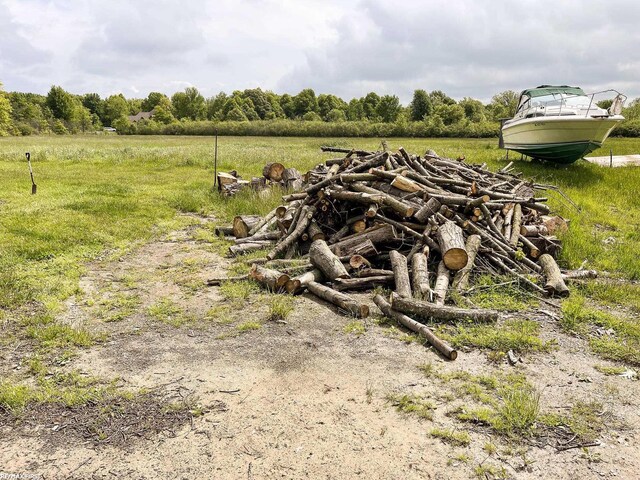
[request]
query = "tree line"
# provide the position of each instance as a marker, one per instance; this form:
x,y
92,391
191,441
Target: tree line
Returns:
x,y
258,112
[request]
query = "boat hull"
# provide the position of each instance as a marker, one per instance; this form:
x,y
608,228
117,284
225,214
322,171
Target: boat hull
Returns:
x,y
557,139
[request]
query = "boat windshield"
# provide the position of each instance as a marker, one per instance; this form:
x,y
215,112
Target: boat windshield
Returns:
x,y
558,103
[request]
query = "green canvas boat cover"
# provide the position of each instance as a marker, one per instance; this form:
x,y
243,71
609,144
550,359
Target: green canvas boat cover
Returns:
x,y
551,89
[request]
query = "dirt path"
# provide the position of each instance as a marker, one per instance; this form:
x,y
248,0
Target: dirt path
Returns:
x,y
301,399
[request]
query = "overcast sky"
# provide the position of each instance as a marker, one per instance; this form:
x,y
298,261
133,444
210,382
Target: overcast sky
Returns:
x,y
465,48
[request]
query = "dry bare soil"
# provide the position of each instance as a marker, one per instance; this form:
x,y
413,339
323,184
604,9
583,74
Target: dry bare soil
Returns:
x,y
307,397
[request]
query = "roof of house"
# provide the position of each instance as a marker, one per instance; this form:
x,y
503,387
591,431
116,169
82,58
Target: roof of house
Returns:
x,y
141,116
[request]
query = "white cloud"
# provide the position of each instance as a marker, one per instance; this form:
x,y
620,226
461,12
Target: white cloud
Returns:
x,y
466,48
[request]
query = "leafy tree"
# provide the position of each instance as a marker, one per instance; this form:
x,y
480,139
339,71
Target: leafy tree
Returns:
x,y
355,110
305,102
438,97
93,103
276,108
388,108
189,104
215,105
162,111
311,117
473,109
115,106
61,103
135,105
288,106
260,101
249,110
327,103
336,115
420,105
504,104
449,114
58,127
153,99
123,125
370,106
5,113
236,115
632,111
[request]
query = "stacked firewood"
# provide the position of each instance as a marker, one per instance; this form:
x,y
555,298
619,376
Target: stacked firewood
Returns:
x,y
273,174
417,224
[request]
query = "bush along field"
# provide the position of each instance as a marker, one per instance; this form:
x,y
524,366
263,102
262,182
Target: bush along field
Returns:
x,y
103,198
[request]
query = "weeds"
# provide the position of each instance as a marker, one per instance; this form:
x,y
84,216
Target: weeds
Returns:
x,y
357,327
249,326
452,437
412,404
280,307
167,311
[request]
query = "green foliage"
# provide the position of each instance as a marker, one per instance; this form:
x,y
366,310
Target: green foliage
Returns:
x,y
413,405
356,327
452,437
280,307
388,108
5,113
189,104
153,100
115,107
305,102
420,106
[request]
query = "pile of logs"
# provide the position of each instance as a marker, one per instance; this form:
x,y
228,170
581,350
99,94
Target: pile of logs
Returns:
x,y
419,225
273,174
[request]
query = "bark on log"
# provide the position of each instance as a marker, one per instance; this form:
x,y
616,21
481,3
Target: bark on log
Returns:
x,y
400,273
272,279
429,310
402,208
217,281
451,242
292,179
315,232
323,258
264,221
442,284
420,276
554,283
441,346
461,278
303,223
235,250
429,209
259,237
242,224
534,230
376,234
273,171
298,284
223,230
406,185
342,301
364,283
515,225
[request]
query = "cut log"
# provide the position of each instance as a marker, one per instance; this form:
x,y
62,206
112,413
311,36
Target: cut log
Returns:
x,y
259,237
217,281
323,258
442,284
461,278
441,346
358,262
429,209
292,179
223,230
420,276
273,171
339,299
555,225
315,232
298,284
271,279
402,208
242,224
406,185
554,283
358,226
515,225
241,249
364,283
400,273
452,248
265,220
289,240
371,210
429,310
375,234
534,230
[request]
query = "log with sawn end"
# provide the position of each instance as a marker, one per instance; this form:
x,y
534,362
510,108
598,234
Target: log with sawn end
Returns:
x,y
441,346
554,283
285,243
400,273
271,279
429,310
323,258
451,241
339,299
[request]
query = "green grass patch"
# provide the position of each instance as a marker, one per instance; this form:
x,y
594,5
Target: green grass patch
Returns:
x,y
249,326
118,306
456,438
580,318
55,335
412,404
356,327
169,312
280,307
516,334
610,371
499,293
238,291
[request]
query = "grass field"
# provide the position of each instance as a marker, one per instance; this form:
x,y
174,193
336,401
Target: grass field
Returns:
x,y
100,194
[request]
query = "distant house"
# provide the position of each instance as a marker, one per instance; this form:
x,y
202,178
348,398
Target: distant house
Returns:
x,y
140,116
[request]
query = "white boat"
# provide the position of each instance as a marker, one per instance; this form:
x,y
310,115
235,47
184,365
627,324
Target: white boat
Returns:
x,y
560,123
